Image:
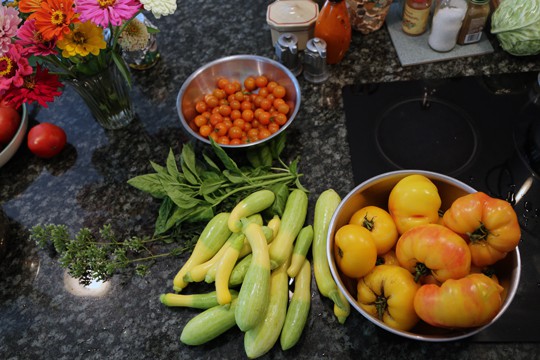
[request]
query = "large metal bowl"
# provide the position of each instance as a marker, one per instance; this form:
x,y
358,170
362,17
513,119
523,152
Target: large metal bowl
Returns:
x,y
204,80
375,191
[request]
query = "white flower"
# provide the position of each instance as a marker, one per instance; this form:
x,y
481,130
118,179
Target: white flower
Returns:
x,y
134,37
159,7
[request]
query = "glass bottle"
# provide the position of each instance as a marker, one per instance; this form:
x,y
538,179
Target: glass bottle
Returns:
x,y
415,16
475,19
446,23
334,27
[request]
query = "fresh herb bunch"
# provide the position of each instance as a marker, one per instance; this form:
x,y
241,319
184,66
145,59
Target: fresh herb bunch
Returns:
x,y
199,189
88,256
190,195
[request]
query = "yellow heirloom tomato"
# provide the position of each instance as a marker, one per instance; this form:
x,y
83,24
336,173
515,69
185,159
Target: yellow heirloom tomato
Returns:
x,y
387,293
414,201
381,225
354,250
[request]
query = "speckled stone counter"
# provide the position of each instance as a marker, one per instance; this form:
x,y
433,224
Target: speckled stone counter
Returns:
x,y
86,186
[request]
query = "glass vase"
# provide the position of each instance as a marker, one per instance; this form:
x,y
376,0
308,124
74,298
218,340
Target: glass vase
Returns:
x,y
107,95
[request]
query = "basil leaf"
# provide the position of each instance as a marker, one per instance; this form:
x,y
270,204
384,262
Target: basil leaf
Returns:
x,y
225,159
277,145
150,184
163,215
189,165
265,154
172,168
254,159
282,193
210,185
234,177
211,163
158,168
180,198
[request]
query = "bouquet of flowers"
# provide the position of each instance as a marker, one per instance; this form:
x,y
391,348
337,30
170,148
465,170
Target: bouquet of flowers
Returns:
x,y
44,42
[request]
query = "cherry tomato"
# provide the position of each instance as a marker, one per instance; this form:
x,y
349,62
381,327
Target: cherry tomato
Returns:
x,y
9,123
46,140
249,83
261,81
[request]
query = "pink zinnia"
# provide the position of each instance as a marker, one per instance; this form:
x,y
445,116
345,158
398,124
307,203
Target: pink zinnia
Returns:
x,y
13,68
32,41
40,87
9,21
105,12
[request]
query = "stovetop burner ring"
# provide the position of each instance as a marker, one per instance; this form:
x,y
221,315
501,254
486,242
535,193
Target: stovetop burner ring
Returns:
x,y
426,134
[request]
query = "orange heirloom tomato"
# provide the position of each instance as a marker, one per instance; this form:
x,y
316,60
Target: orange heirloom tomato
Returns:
x,y
354,250
436,250
387,293
381,225
414,201
467,302
490,224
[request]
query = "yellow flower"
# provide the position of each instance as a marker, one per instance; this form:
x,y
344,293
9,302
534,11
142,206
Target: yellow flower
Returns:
x,y
86,38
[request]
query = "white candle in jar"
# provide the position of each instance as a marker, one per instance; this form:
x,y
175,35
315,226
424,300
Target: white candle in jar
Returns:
x,y
446,23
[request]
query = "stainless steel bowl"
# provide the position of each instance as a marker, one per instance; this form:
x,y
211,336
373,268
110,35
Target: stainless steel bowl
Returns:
x,y
203,81
375,191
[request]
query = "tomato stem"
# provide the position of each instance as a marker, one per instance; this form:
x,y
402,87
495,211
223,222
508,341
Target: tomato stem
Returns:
x,y
381,304
480,234
367,223
420,270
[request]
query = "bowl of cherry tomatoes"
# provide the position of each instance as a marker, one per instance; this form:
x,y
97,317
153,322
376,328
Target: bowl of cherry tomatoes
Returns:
x,y
424,255
13,126
238,101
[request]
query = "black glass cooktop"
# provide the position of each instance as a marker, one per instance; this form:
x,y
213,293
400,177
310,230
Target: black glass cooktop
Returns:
x,y
475,129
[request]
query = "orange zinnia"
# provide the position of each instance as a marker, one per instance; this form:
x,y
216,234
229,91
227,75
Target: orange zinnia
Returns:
x,y
29,6
54,17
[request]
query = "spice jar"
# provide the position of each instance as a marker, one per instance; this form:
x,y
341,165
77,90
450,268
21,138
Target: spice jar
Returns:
x,y
334,27
474,22
415,17
446,23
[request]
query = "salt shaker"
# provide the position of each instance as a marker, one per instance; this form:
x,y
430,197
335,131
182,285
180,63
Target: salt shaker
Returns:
x,y
287,52
446,23
315,69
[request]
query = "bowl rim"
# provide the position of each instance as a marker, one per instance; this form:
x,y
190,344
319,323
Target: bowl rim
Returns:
x,y
461,333
22,127
193,75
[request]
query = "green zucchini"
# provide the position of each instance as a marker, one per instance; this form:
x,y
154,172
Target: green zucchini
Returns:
x,y
255,289
300,250
260,339
209,324
212,238
196,301
251,204
325,207
292,221
239,271
298,310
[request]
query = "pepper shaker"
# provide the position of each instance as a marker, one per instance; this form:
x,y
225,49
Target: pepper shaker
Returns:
x,y
287,52
315,69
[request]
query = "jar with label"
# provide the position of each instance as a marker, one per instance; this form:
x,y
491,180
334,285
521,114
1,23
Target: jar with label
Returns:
x,y
334,27
415,17
477,15
446,23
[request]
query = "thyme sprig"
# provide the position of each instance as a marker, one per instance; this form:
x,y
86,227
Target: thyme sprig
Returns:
x,y
92,256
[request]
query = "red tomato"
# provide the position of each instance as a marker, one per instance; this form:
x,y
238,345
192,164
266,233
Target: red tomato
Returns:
x,y
9,123
46,140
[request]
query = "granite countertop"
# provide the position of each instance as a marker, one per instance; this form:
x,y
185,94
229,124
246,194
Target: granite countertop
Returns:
x,y
85,186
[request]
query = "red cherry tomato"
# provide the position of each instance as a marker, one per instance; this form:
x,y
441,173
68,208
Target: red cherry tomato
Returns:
x,y
9,123
46,140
